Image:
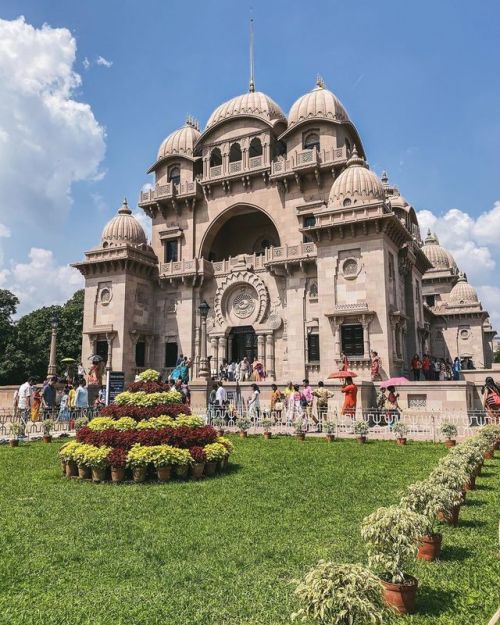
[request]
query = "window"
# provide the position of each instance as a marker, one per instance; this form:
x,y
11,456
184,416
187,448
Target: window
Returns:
x,y
309,221
391,266
430,300
140,354
347,202
215,158
347,146
352,339
313,290
174,175
171,353
278,149
102,350
313,348
235,153
255,147
311,141
171,251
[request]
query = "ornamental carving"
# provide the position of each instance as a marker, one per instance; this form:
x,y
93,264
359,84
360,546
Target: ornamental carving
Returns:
x,y
243,302
241,296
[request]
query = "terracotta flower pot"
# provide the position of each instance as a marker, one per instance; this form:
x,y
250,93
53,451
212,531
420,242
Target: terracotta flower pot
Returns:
x,y
98,474
401,597
471,484
401,441
220,432
243,433
361,439
224,463
71,469
197,470
63,467
139,474
47,438
488,455
430,547
164,473
267,435
210,468
117,474
450,442
84,472
181,471
14,442
497,444
300,436
330,438
452,517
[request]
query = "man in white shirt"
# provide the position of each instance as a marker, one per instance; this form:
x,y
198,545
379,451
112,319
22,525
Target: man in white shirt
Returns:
x,y
24,397
220,400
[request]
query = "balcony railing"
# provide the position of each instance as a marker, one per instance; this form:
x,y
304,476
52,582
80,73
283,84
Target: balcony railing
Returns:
x,y
167,191
255,161
235,167
288,253
308,158
216,171
180,268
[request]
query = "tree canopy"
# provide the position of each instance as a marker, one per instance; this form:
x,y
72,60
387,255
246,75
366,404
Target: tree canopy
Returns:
x,y
24,344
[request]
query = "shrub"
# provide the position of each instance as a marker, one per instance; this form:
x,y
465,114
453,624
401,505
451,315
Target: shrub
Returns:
x,y
392,536
80,422
163,455
67,451
182,456
198,454
191,421
124,424
148,387
215,452
340,594
91,456
117,458
140,412
143,399
150,375
138,456
453,477
101,423
16,429
227,444
429,498
400,429
243,423
449,430
48,426
490,433
361,428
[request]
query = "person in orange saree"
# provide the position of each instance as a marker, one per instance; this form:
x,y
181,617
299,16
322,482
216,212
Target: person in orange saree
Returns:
x,y
35,405
350,391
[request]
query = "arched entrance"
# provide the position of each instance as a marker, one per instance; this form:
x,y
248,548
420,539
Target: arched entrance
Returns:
x,y
243,341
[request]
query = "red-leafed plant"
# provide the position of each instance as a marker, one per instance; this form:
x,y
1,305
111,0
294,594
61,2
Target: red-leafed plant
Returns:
x,y
149,387
141,412
198,454
117,458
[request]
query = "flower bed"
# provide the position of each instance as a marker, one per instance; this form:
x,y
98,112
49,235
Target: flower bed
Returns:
x,y
149,433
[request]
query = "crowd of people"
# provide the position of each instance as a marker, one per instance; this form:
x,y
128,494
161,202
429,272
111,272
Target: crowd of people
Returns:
x,y
434,369
242,371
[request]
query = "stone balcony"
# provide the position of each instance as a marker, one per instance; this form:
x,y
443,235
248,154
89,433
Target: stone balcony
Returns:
x,y
307,159
193,270
168,192
235,169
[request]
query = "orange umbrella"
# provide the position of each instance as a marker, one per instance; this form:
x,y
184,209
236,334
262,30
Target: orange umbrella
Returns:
x,y
342,374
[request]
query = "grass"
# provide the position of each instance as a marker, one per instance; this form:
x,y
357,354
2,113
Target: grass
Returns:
x,y
223,551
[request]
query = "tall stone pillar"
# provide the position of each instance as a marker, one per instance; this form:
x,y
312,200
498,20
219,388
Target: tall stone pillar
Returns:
x,y
222,349
109,339
366,337
260,348
52,368
229,348
270,356
196,363
336,339
214,363
203,371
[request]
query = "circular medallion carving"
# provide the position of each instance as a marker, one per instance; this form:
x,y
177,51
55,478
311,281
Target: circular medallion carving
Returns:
x,y
275,321
244,303
241,297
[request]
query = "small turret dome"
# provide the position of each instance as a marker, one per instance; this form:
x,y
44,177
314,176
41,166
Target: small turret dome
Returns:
x,y
123,228
181,142
463,292
253,104
437,255
320,103
356,185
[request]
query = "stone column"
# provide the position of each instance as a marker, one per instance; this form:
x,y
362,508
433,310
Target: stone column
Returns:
x,y
214,364
366,337
203,369
222,349
230,348
149,351
260,348
336,338
196,363
52,368
270,356
109,339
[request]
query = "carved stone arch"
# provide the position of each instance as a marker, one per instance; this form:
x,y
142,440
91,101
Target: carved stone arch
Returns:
x,y
241,278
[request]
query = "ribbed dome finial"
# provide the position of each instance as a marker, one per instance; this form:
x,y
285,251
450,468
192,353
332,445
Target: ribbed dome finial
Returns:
x,y
320,83
385,178
355,159
124,208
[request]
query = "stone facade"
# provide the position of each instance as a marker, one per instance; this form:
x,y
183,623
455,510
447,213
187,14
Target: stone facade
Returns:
x,y
299,249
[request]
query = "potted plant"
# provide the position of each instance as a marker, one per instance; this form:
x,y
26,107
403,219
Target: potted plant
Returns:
x,y
340,594
66,455
48,426
400,430
198,465
430,499
182,461
449,430
392,536
163,458
299,427
117,460
361,429
451,478
84,469
329,428
219,423
490,435
97,459
214,453
229,450
16,431
266,424
244,424
138,459
80,422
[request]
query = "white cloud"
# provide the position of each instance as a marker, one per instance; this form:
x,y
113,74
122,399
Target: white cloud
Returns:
x,y
40,281
4,231
48,139
86,63
104,62
145,222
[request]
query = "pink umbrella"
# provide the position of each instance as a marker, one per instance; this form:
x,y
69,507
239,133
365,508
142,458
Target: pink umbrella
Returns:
x,y
394,382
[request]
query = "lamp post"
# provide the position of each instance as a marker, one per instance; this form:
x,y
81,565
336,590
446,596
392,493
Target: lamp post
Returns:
x,y
52,369
203,371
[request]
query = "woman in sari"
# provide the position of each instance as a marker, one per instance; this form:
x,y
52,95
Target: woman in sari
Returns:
x,y
350,391
258,371
35,405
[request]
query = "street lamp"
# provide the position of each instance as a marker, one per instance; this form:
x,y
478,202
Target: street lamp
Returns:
x,y
203,309
52,369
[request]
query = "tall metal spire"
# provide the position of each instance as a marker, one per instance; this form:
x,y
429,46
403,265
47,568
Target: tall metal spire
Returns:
x,y
251,87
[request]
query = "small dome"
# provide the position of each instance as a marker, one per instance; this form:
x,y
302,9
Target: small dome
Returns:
x,y
123,228
253,103
463,292
181,142
438,256
398,201
320,103
356,185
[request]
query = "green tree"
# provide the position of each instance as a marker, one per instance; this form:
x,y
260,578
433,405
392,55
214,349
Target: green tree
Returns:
x,y
8,307
497,356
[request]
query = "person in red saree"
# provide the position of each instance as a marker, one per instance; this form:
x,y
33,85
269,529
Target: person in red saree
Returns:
x,y
350,391
375,367
344,362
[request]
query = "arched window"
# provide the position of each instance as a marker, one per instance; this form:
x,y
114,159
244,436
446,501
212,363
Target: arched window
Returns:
x,y
174,174
235,153
255,147
311,141
348,146
215,157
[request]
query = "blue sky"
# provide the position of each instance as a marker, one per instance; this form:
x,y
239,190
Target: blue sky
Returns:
x,y
419,80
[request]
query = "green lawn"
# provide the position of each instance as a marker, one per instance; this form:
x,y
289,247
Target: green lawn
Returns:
x,y
223,551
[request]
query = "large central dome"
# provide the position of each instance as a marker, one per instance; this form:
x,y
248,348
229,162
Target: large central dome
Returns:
x,y
254,104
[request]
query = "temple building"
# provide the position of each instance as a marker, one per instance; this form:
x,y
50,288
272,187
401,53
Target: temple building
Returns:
x,y
299,249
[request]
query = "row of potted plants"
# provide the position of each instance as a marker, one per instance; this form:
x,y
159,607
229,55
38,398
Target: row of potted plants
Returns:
x,y
99,462
124,424
351,593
